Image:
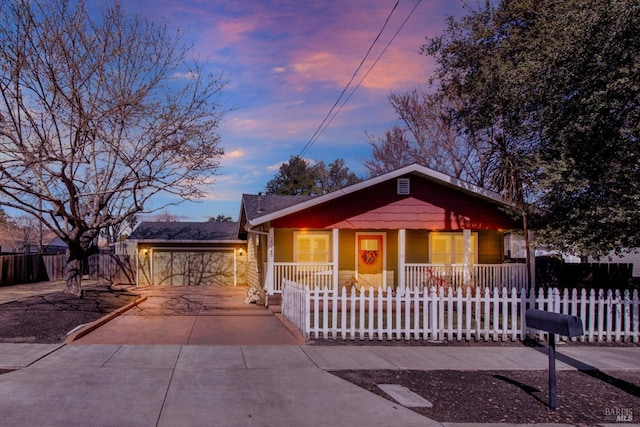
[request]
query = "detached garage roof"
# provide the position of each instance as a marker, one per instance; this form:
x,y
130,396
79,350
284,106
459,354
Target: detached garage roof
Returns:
x,y
182,232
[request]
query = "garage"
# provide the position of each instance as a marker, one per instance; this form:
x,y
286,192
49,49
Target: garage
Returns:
x,y
189,254
191,267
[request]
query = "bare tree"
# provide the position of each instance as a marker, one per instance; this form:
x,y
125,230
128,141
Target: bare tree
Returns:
x,y
164,216
389,153
428,137
98,113
119,231
19,233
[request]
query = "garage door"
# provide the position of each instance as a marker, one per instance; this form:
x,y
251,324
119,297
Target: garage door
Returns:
x,y
193,268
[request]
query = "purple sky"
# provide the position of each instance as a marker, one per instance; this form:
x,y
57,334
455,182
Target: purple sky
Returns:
x,y
287,62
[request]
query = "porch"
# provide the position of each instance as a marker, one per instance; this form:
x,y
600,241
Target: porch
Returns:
x,y
395,259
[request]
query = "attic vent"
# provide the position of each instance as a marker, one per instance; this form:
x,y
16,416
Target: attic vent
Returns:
x,y
403,186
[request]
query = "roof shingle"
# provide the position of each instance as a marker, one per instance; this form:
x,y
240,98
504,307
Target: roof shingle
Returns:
x,y
185,231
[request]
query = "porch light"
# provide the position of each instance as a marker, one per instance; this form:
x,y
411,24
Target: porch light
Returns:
x,y
240,252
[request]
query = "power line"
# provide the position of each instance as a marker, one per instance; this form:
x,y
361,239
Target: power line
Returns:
x,y
319,130
370,68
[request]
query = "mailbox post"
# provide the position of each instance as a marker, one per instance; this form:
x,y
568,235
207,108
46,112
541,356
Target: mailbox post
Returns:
x,y
553,323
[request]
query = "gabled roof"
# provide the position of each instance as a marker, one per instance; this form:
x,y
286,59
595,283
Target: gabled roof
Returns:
x,y
182,232
264,204
273,208
56,242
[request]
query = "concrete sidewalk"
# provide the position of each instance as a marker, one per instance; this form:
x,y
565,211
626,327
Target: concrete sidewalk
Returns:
x,y
169,385
428,358
113,385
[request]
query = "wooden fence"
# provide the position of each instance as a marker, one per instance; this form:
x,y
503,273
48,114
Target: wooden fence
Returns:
x,y
56,266
439,314
112,268
23,268
30,268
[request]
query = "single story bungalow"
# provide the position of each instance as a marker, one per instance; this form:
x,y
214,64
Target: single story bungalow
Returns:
x,y
413,227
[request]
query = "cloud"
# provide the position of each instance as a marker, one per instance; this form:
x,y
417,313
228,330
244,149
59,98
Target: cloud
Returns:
x,y
189,75
235,154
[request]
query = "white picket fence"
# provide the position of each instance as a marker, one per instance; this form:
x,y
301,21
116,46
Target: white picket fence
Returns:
x,y
439,314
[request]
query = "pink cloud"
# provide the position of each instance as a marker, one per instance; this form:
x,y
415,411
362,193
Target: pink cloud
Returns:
x,y
312,42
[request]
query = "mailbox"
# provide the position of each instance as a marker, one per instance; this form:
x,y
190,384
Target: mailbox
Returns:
x,y
556,323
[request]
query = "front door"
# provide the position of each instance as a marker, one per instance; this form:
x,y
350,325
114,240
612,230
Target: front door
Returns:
x,y
370,262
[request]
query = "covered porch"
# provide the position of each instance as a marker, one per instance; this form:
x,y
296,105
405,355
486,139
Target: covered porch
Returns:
x,y
391,259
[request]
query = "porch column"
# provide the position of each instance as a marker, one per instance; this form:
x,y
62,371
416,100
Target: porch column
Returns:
x,y
335,240
402,248
270,260
466,257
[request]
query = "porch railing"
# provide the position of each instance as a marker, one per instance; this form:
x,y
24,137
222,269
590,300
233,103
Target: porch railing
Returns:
x,y
316,276
419,276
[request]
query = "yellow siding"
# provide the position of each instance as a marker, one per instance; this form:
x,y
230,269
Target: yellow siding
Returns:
x,y
144,267
490,247
253,276
347,257
417,247
283,251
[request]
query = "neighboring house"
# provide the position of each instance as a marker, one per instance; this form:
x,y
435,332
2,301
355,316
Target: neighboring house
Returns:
x,y
412,227
189,253
52,245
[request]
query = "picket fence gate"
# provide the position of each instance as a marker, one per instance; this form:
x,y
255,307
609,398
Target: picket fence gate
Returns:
x,y
440,314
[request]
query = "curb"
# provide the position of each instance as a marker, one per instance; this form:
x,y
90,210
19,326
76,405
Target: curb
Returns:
x,y
292,329
101,321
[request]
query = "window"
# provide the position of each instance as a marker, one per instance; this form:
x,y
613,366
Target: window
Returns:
x,y
448,248
312,247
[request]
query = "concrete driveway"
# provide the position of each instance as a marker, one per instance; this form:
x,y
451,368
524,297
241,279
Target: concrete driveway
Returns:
x,y
192,315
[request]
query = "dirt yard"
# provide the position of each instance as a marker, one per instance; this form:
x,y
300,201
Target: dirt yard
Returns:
x,y
513,396
47,319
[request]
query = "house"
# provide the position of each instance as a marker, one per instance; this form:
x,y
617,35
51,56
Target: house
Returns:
x,y
409,228
54,245
189,253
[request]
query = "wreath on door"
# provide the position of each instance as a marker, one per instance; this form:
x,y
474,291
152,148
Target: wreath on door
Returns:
x,y
369,257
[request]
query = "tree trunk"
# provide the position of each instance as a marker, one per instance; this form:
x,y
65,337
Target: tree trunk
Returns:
x,y
74,276
525,226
